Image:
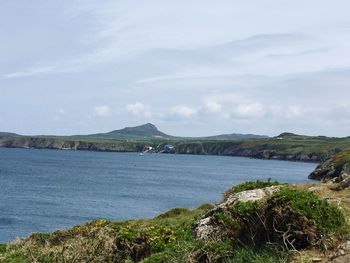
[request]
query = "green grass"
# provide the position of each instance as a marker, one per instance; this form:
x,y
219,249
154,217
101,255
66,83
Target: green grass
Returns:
x,y
2,248
250,185
341,158
168,238
268,254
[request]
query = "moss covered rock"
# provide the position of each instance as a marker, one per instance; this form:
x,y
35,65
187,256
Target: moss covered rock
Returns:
x,y
294,219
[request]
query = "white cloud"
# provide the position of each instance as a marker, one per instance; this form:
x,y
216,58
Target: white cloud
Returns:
x,y
294,111
183,111
233,105
124,29
165,53
252,110
102,111
139,109
29,72
212,106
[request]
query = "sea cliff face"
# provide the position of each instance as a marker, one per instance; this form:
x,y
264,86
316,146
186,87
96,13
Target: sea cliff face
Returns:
x,y
227,148
66,144
255,151
260,149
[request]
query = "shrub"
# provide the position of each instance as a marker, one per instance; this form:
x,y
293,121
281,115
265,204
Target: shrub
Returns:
x,y
15,257
2,248
245,209
173,212
205,207
293,218
39,238
327,217
277,222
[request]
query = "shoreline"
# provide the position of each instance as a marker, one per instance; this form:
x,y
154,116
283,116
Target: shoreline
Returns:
x,y
253,156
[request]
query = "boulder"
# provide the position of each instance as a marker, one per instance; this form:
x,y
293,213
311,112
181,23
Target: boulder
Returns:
x,y
315,189
205,229
343,181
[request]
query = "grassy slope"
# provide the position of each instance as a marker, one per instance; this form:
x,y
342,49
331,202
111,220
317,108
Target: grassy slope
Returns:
x,y
297,144
169,235
321,146
166,238
341,158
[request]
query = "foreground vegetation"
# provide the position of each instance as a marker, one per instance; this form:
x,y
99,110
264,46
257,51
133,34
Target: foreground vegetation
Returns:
x,y
292,218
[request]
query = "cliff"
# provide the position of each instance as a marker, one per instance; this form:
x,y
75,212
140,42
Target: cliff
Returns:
x,y
334,167
62,143
259,149
289,147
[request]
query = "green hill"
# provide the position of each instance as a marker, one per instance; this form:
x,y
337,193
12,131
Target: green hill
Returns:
x,y
150,131
3,134
147,130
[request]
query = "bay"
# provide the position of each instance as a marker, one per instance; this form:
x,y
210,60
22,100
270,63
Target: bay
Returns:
x,y
44,190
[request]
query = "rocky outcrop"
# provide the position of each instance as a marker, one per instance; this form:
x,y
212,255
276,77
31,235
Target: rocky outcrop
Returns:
x,y
205,228
336,168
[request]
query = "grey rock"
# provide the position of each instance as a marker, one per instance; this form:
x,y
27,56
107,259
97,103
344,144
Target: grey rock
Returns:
x,y
205,230
345,182
315,188
330,170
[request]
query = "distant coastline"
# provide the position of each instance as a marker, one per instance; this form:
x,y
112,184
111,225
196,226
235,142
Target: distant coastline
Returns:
x,y
286,146
291,149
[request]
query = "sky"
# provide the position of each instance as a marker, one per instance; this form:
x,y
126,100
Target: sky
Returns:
x,y
192,68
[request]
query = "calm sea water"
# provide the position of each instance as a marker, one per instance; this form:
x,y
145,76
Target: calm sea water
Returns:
x,y
42,190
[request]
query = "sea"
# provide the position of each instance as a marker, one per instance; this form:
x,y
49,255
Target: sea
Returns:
x,y
45,190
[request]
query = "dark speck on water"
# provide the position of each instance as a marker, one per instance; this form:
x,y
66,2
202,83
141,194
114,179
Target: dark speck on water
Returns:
x,y
43,190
